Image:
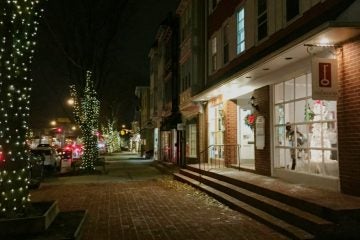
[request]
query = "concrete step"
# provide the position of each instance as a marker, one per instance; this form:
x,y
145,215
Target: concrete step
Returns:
x,y
299,203
278,224
303,219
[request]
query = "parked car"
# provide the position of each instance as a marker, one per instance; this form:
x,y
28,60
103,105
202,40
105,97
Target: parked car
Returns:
x,y
49,155
44,145
66,159
36,170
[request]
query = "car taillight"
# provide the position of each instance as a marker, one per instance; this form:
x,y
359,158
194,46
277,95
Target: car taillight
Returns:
x,y
2,159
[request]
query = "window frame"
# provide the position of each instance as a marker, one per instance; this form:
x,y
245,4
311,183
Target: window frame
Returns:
x,y
290,104
261,22
213,56
239,30
191,140
226,48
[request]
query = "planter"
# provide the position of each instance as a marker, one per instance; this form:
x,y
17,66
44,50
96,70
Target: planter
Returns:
x,y
39,221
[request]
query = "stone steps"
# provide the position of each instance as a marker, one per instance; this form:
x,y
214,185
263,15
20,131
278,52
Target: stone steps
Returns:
x,y
284,217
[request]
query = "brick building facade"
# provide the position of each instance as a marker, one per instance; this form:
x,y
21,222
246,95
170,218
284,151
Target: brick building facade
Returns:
x,y
266,71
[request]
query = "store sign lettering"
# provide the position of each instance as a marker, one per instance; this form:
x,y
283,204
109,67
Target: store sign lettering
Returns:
x,y
324,79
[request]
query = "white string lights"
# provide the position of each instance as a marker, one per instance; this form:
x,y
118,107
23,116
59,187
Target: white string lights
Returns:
x,y
18,28
86,114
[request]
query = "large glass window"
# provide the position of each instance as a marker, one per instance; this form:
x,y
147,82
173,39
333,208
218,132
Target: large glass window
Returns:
x,y
240,31
191,141
216,131
305,129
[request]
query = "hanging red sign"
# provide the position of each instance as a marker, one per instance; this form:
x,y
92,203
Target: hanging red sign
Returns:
x,y
324,79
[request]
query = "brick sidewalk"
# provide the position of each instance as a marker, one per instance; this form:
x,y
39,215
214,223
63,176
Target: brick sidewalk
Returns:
x,y
158,209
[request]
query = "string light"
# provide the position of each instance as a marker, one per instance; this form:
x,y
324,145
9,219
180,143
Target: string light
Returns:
x,y
18,27
86,115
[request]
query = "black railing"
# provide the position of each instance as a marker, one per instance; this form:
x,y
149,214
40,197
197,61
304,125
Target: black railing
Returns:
x,y
219,156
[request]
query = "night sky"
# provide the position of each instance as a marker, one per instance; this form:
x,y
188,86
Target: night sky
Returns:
x,y
127,58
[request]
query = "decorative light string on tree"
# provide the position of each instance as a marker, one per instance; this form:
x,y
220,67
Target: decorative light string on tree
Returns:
x,y
86,115
18,28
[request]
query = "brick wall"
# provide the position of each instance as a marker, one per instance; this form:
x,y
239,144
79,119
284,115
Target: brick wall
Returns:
x,y
230,132
349,117
262,157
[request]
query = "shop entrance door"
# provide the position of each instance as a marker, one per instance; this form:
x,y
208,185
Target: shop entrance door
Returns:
x,y
245,140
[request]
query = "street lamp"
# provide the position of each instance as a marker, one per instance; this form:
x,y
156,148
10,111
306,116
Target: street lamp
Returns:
x,y
53,123
70,101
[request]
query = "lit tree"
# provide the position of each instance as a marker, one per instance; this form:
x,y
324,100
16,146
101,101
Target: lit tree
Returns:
x,y
18,29
86,115
111,136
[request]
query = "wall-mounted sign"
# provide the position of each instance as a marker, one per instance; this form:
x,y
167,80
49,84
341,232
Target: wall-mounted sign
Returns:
x,y
324,79
260,132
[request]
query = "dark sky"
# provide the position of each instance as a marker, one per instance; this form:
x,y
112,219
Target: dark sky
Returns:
x,y
135,35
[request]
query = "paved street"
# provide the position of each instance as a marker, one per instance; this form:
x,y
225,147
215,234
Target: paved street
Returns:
x,y
134,200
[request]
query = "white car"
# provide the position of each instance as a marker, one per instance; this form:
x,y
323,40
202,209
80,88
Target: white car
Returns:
x,y
49,155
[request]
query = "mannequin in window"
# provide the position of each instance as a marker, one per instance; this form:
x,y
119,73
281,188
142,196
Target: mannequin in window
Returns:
x,y
293,139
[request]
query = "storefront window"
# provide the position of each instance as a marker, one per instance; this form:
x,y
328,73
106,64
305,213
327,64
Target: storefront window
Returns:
x,y
216,131
305,129
165,146
191,141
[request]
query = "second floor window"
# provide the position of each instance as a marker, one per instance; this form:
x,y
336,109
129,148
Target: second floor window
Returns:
x,y
292,9
240,31
213,54
262,28
226,43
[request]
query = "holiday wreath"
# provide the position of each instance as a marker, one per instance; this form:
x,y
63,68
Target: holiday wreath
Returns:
x,y
250,120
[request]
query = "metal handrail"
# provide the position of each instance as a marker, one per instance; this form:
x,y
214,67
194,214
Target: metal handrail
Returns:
x,y
202,153
222,153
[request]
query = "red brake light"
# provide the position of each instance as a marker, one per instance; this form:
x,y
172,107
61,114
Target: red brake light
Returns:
x,y
2,159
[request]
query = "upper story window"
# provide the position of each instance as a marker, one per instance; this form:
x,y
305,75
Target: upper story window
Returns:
x,y
292,9
213,54
226,43
262,28
240,31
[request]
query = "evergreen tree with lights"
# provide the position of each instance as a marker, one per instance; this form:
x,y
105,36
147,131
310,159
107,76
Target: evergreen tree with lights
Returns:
x,y
86,115
18,28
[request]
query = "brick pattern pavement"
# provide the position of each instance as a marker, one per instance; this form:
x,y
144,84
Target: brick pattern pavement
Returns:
x,y
152,210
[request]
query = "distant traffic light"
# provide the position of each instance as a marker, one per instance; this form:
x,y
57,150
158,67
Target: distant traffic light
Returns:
x,y
59,130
